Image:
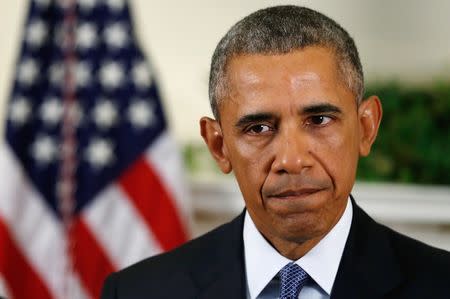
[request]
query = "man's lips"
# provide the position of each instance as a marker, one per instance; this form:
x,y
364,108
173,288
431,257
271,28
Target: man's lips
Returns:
x,y
294,193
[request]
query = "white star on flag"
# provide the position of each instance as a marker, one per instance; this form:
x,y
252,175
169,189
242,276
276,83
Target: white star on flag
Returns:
x,y
27,72
36,33
140,114
116,35
111,75
19,111
115,5
99,153
86,36
82,74
51,111
87,5
56,71
44,150
105,114
141,75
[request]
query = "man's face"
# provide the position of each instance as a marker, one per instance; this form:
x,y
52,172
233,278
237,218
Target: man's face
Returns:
x,y
291,132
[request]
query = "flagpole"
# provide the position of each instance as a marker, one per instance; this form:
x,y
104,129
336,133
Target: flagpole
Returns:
x,y
67,175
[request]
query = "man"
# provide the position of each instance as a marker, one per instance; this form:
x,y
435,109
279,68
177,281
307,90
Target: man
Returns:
x,y
286,90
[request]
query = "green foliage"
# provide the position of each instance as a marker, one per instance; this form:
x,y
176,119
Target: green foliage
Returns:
x,y
413,144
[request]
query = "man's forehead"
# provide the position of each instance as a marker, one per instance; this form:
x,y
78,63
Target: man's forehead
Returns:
x,y
298,60
296,69
243,57
251,96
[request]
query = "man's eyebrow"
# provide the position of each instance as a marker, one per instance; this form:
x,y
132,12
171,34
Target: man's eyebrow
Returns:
x,y
252,118
320,108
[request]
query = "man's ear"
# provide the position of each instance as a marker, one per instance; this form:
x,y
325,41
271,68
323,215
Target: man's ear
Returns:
x,y
369,114
212,135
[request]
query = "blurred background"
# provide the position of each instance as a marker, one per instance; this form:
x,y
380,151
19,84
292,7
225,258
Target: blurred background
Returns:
x,y
405,51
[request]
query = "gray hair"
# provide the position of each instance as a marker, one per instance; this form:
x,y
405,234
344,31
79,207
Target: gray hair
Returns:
x,y
280,30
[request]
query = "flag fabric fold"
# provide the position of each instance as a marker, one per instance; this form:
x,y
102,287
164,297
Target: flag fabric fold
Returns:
x,y
92,179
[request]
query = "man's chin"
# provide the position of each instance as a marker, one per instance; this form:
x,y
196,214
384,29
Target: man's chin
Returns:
x,y
302,230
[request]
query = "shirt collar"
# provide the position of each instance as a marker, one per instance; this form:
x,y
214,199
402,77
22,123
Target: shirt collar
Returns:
x,y
263,262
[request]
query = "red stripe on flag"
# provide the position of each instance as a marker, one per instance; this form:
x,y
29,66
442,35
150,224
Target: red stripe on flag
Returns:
x,y
89,259
22,280
154,203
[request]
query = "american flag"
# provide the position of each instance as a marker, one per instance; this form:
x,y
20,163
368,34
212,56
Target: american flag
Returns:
x,y
91,179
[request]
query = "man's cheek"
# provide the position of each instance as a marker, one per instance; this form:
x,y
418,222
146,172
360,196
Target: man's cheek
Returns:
x,y
337,145
247,149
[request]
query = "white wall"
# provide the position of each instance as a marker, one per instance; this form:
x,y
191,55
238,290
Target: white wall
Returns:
x,y
404,39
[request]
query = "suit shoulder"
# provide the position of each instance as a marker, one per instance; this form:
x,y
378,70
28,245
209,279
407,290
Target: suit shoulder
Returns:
x,y
416,255
187,266
191,254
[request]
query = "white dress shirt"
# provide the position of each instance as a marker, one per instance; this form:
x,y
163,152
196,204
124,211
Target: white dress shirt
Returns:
x,y
263,262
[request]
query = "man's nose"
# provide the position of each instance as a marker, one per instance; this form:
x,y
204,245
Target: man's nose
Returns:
x,y
292,152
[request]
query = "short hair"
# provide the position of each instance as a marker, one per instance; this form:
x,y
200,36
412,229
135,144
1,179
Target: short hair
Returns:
x,y
280,30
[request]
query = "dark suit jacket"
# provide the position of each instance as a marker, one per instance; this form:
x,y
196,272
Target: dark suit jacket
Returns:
x,y
377,263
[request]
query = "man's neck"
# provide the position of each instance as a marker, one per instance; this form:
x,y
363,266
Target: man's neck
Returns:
x,y
294,249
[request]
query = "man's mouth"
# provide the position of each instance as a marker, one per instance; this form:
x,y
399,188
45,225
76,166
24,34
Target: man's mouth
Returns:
x,y
294,193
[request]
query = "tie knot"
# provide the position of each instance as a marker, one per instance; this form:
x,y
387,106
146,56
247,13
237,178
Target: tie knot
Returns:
x,y
293,278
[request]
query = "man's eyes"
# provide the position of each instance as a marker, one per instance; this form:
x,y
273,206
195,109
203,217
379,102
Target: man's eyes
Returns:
x,y
258,129
319,120
314,121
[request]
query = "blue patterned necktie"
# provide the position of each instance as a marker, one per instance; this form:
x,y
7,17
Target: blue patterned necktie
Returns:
x,y
293,278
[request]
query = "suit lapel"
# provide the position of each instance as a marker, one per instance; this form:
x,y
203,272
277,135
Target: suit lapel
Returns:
x,y
224,275
368,268
230,284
